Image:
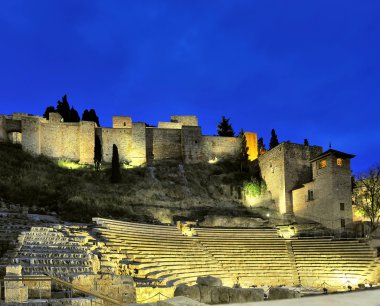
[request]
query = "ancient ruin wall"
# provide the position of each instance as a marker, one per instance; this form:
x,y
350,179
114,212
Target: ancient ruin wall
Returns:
x,y
220,147
191,140
31,136
138,154
121,122
51,140
185,120
285,168
121,137
3,131
86,141
167,144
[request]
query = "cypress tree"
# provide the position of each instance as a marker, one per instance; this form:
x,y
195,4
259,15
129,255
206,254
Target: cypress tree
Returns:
x,y
74,116
97,153
49,109
243,150
116,173
306,142
225,128
63,108
273,140
90,115
261,146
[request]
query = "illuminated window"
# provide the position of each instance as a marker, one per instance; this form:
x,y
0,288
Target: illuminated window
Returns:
x,y
310,195
339,162
342,223
322,164
341,206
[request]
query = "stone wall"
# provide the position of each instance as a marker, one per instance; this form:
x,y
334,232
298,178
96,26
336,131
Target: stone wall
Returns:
x,y
138,154
169,125
181,140
220,147
167,144
121,122
3,131
285,168
185,120
122,138
31,135
191,140
331,186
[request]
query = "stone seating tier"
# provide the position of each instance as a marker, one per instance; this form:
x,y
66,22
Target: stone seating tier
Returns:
x,y
256,256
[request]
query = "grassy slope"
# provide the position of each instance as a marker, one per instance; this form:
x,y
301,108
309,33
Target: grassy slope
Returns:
x,y
81,194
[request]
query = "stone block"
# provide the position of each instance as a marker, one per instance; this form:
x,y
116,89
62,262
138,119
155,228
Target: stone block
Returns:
x,y
16,295
278,293
13,270
209,281
205,292
180,301
192,292
244,295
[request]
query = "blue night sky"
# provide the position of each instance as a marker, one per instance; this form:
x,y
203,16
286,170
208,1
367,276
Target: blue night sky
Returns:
x,y
309,69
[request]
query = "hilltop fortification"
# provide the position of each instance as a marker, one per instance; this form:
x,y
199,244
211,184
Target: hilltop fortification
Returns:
x,y
180,139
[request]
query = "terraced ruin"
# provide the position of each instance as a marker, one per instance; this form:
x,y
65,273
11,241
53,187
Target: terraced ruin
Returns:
x,y
158,258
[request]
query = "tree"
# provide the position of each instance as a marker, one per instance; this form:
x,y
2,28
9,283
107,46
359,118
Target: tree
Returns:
x,y
243,150
116,173
367,195
97,153
273,140
225,128
90,115
74,116
63,108
49,109
306,142
261,146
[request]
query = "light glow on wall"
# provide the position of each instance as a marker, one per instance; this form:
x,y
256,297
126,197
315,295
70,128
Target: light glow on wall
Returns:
x,y
70,164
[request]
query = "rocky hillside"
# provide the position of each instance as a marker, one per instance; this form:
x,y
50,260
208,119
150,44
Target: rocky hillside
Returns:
x,y
159,193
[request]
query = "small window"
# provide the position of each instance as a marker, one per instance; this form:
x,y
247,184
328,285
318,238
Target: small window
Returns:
x,y
124,123
342,223
341,206
339,162
310,195
322,164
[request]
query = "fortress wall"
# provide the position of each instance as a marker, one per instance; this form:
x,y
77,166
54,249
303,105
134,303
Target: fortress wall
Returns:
x,y
220,147
169,125
167,144
31,138
121,122
3,132
272,171
70,141
297,170
51,140
138,152
185,120
121,137
191,139
86,142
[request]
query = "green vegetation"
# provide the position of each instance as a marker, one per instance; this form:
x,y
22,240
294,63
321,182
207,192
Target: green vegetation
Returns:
x,y
255,187
78,195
